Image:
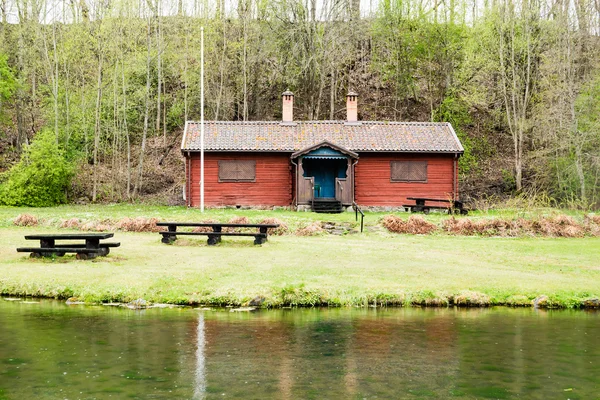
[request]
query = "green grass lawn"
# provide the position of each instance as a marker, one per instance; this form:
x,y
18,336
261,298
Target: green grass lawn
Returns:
x,y
375,267
53,215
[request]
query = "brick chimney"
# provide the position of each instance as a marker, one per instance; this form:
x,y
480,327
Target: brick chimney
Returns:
x,y
352,106
288,106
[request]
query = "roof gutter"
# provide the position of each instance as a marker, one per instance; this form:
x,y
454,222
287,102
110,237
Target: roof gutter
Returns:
x,y
295,195
183,139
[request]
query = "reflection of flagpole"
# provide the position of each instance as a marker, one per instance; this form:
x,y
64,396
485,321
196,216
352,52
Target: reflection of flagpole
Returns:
x,y
202,119
200,389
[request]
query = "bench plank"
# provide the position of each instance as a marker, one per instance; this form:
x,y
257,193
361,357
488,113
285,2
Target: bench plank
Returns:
x,y
82,246
421,206
70,236
215,236
167,233
169,237
56,250
81,253
217,223
428,199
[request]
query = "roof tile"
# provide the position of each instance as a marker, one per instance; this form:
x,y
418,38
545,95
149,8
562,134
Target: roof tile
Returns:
x,y
360,137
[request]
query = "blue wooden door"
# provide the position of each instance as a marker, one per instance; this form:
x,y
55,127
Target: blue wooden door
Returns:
x,y
324,165
325,182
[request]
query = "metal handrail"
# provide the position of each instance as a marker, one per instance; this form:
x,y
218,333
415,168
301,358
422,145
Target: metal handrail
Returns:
x,y
362,215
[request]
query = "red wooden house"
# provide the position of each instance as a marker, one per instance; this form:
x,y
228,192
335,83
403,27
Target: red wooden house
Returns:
x,y
301,163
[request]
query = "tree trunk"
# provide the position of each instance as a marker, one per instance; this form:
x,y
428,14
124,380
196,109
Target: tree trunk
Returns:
x,y
580,173
245,68
332,96
125,128
221,76
97,127
158,69
138,185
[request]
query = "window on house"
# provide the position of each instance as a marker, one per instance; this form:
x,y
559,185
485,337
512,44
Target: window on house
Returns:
x,y
408,171
237,171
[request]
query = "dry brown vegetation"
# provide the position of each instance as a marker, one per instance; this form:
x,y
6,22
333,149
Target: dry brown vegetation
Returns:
x,y
238,220
472,299
558,226
25,220
592,219
97,226
555,226
415,225
281,230
138,224
72,223
204,229
310,230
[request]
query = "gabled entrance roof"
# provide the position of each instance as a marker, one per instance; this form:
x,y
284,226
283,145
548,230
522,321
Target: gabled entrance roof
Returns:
x,y
313,151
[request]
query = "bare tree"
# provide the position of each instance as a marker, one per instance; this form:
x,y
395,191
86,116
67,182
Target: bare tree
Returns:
x,y
518,48
139,181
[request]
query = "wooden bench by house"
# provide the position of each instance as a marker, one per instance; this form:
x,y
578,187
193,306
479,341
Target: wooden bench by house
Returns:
x,y
424,205
214,237
91,248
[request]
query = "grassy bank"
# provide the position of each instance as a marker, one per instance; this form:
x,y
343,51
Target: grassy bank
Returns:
x,y
52,216
376,267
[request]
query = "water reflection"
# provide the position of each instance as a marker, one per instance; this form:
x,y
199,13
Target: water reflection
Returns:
x,y
49,350
200,390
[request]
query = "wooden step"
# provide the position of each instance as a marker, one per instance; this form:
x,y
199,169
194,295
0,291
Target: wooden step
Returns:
x,y
327,206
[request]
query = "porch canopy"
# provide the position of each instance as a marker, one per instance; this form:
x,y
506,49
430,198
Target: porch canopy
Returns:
x,y
325,150
324,171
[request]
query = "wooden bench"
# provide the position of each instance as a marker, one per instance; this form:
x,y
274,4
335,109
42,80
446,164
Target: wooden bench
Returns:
x,y
217,233
421,205
91,248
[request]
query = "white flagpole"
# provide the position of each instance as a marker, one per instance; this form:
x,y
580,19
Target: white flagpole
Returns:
x,y
202,119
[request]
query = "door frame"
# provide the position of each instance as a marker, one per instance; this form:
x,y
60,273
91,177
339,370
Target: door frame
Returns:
x,y
344,187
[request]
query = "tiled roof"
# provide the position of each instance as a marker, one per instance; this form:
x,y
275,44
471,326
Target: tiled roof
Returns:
x,y
364,136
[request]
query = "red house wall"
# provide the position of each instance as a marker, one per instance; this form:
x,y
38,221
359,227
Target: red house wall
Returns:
x,y
273,185
373,186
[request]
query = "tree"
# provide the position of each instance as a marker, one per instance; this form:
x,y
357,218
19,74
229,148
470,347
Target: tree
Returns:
x,y
41,178
518,57
506,62
8,84
585,140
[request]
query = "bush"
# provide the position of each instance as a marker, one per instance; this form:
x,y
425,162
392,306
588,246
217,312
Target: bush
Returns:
x,y
42,176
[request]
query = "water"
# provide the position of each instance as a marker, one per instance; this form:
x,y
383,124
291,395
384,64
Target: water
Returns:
x,y
49,350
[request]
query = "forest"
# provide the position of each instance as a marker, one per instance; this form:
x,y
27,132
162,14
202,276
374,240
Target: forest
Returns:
x,y
94,94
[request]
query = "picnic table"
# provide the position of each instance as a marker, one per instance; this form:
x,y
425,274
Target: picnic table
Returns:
x,y
421,205
215,235
88,245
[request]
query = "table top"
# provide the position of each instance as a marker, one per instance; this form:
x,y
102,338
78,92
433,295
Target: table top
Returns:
x,y
70,236
426,199
218,224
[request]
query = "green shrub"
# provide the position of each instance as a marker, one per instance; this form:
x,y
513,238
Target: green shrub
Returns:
x,y
40,178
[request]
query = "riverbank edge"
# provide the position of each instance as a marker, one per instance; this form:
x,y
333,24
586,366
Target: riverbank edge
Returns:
x,y
465,299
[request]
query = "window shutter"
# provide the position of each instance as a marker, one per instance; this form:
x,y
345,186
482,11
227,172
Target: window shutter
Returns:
x,y
418,171
400,170
408,171
237,171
